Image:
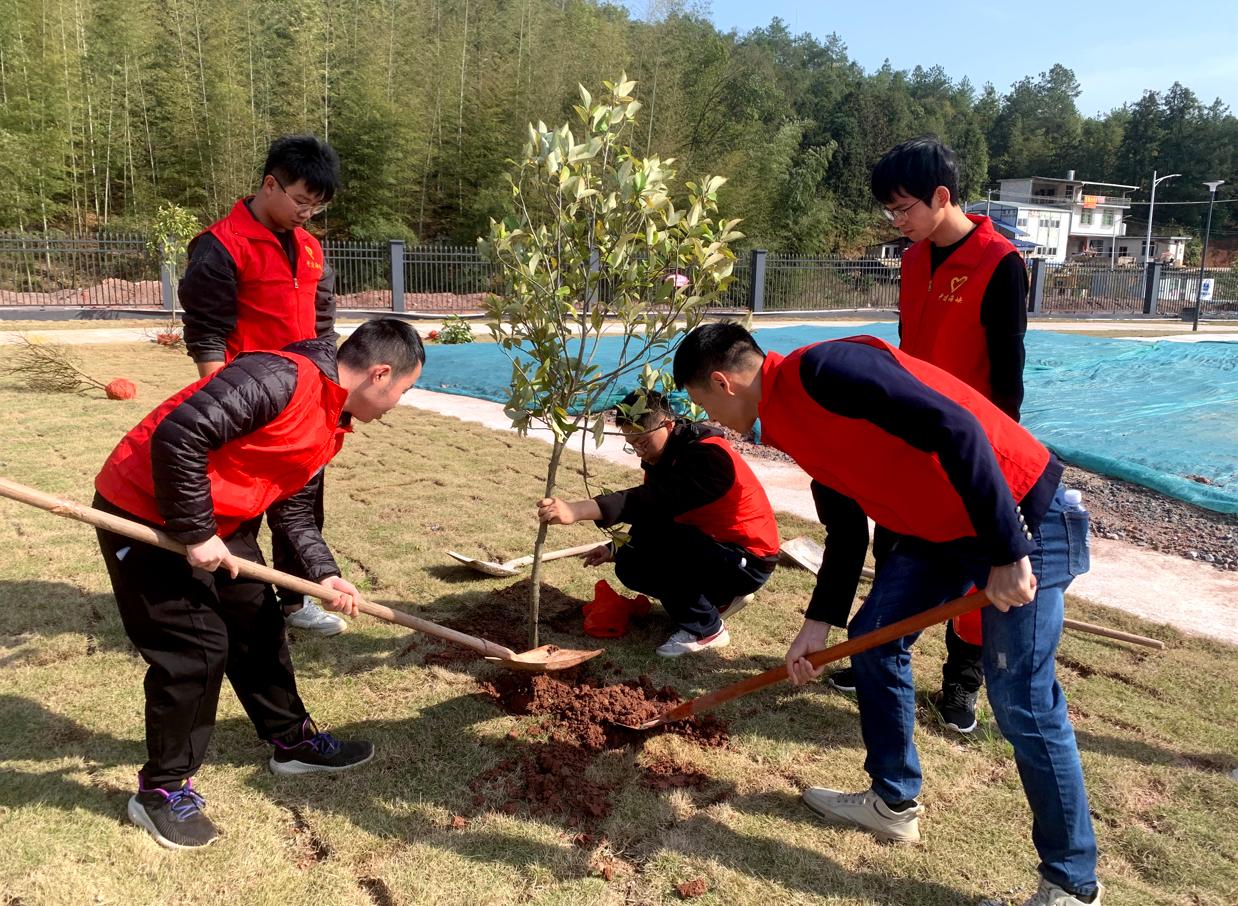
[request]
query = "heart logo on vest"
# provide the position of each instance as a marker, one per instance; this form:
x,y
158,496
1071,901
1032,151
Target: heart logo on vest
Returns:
x,y
309,254
956,282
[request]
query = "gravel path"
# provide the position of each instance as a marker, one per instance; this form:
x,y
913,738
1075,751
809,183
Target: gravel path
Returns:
x,y
1121,511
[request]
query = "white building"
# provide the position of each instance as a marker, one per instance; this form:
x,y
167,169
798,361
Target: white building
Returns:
x,y
1064,219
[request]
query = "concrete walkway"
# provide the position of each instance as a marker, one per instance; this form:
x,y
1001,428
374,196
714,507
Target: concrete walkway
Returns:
x,y
1161,588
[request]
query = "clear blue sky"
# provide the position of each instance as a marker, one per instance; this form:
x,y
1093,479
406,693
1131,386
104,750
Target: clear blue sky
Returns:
x,y
1117,50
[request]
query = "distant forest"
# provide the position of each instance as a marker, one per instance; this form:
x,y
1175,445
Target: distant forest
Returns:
x,y
109,108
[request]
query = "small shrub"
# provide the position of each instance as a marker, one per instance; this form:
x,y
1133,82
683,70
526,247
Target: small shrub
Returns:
x,y
455,330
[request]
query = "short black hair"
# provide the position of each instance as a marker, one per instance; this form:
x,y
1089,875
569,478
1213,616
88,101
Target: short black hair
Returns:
x,y
383,341
644,409
916,168
722,346
304,157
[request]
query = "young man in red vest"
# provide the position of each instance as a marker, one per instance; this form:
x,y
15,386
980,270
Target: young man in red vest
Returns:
x,y
257,279
204,467
703,536
962,307
974,499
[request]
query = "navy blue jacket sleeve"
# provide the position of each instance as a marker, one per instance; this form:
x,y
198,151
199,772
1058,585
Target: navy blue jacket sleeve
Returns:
x,y
846,544
859,381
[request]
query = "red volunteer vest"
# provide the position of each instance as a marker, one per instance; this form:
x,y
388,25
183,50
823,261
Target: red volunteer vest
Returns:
x,y
940,311
274,306
900,487
248,474
742,515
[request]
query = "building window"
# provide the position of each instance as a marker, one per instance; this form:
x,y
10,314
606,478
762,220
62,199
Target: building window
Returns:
x,y
1122,250
1086,218
1107,219
1022,222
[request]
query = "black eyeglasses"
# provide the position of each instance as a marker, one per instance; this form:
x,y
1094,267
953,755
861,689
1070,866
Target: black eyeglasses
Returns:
x,y
309,210
639,440
897,214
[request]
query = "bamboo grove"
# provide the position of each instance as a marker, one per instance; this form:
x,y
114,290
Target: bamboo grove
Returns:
x,y
109,108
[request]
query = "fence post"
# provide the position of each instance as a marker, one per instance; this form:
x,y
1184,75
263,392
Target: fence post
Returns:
x,y
1036,293
165,281
397,275
1151,287
756,281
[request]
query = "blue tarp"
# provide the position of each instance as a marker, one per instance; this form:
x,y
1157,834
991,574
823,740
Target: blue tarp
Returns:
x,y
1161,414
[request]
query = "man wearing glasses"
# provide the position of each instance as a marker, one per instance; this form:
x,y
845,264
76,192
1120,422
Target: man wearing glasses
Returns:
x,y
257,280
962,307
704,537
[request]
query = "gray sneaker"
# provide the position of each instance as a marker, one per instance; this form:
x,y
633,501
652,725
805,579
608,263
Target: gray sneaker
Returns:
x,y
312,618
866,811
1049,894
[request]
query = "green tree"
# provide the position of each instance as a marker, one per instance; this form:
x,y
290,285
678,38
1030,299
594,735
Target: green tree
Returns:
x,y
594,234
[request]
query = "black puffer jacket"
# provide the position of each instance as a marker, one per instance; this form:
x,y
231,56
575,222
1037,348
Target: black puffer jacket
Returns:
x,y
240,398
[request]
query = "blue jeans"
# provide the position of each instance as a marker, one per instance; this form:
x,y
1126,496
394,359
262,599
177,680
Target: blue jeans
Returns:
x,y
1019,651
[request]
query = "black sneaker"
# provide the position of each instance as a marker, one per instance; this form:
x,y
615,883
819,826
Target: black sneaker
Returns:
x,y
175,818
956,706
843,680
319,752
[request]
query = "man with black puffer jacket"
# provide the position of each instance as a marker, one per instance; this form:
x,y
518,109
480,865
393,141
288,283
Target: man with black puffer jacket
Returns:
x,y
204,467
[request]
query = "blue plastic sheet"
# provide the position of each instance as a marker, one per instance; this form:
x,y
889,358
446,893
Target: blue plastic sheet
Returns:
x,y
1162,414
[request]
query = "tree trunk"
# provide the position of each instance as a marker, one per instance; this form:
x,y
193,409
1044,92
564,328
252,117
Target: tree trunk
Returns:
x,y
536,579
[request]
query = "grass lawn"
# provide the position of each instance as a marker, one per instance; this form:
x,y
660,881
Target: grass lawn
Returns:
x,y
1158,731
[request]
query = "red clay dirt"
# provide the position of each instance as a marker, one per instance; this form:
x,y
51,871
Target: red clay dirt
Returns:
x,y
572,724
697,887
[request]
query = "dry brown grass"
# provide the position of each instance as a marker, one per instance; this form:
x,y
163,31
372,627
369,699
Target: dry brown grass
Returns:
x,y
1159,732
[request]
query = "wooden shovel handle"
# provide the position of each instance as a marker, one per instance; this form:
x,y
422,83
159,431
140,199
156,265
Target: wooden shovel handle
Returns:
x,y
913,624
144,533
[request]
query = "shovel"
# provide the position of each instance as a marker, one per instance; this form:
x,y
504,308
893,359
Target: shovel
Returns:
x,y
913,624
544,659
512,567
808,554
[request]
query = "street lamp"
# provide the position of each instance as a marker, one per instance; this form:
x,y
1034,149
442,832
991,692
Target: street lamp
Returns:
x,y
1147,246
1199,290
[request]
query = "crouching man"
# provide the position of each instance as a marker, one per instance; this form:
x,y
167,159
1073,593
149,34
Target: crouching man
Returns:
x,y
703,537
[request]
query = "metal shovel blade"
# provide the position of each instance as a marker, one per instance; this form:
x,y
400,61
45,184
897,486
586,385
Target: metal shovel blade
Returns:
x,y
513,567
485,566
546,659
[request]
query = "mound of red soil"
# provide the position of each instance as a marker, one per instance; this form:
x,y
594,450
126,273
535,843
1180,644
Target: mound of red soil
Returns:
x,y
586,714
573,719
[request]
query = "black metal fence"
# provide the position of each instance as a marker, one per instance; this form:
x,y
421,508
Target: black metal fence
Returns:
x,y
115,270
101,270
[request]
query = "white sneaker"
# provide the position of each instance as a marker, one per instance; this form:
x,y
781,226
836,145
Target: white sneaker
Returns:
x,y
1049,894
684,642
312,618
867,811
736,605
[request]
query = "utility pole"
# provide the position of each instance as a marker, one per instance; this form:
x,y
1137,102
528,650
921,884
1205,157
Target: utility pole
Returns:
x,y
1147,246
